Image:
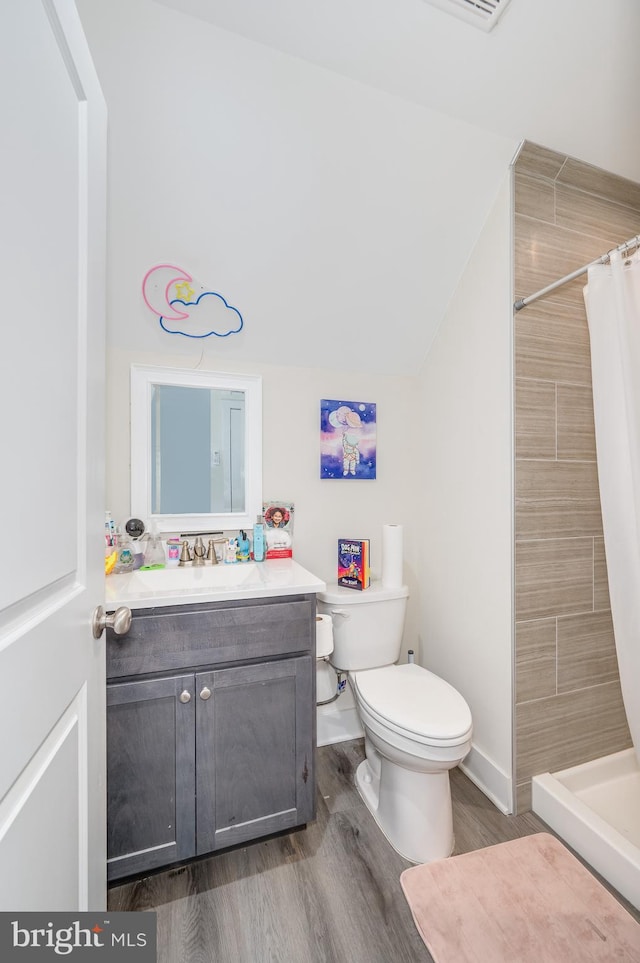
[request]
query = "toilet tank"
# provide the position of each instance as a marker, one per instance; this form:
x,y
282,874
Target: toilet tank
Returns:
x,y
367,625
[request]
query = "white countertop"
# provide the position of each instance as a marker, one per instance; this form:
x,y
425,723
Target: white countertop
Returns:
x,y
187,584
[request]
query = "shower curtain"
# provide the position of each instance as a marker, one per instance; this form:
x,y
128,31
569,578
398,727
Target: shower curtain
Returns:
x,y
612,298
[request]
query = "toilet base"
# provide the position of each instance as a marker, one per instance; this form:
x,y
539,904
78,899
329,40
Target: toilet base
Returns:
x,y
413,809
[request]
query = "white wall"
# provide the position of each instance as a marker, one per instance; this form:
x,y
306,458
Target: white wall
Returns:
x,y
465,501
318,206
337,219
325,509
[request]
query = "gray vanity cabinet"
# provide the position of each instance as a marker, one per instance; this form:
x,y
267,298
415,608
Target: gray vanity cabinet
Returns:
x,y
151,773
255,762
210,729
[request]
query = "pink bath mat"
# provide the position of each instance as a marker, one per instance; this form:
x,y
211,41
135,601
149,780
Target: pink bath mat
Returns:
x,y
526,901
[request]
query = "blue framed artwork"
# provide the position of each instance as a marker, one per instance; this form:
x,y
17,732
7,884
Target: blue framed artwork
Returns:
x,y
347,439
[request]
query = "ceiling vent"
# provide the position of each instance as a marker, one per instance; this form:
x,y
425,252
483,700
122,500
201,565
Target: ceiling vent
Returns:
x,y
481,13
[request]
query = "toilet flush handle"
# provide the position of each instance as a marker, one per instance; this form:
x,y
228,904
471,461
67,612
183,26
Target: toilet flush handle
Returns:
x,y
343,615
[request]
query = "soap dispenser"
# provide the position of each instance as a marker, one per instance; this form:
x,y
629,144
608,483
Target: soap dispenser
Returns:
x,y
124,548
154,552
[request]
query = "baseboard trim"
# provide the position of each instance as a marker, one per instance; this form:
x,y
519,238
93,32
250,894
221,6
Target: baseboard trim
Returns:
x,y
337,725
489,778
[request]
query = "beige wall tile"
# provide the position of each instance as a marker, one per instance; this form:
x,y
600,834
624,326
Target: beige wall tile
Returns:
x,y
588,214
552,342
534,197
601,598
586,651
534,159
535,659
545,253
557,499
535,422
576,435
566,214
596,181
523,797
568,729
553,577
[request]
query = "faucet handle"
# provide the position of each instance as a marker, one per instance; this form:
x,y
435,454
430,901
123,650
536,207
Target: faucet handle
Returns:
x,y
186,555
211,552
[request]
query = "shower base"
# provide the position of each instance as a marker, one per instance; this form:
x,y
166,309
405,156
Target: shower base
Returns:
x,y
595,808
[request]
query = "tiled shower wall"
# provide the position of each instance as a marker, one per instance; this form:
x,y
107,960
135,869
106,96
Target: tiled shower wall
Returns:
x,y
568,703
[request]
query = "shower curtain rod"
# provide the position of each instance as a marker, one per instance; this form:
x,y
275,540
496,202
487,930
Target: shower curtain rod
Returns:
x,y
622,248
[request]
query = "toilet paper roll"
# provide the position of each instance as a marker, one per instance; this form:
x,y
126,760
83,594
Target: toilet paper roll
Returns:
x,y
324,636
392,551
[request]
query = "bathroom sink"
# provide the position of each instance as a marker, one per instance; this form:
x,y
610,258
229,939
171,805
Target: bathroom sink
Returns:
x,y
205,576
209,583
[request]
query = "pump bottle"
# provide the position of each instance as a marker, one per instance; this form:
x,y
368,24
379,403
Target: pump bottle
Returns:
x,y
258,540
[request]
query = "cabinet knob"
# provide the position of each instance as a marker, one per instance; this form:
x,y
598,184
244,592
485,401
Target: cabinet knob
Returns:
x,y
206,693
185,696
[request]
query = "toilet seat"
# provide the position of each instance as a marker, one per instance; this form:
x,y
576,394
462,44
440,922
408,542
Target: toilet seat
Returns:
x,y
414,703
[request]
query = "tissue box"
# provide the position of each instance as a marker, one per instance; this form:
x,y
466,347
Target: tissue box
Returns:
x,y
353,563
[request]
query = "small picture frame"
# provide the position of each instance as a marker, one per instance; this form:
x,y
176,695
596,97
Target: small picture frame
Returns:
x,y
278,529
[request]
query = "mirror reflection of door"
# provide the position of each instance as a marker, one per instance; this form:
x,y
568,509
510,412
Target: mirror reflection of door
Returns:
x,y
231,437
197,450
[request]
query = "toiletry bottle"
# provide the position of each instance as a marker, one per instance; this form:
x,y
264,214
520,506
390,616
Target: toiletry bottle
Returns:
x,y
242,553
124,562
258,540
231,551
138,554
109,533
173,552
154,552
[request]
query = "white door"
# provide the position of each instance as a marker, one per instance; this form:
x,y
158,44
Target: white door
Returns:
x,y
52,241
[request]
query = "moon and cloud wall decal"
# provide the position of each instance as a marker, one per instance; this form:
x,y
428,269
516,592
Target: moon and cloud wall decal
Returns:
x,y
185,306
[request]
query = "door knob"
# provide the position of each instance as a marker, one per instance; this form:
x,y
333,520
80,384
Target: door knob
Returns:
x,y
119,621
185,696
205,694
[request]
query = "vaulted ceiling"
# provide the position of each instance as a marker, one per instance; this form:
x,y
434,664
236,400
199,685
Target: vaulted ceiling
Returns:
x,y
562,73
351,153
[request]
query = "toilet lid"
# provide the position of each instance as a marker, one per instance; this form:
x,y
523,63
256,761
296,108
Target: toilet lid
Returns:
x,y
411,699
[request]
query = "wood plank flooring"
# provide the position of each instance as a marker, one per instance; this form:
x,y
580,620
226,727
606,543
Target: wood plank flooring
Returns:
x,y
329,893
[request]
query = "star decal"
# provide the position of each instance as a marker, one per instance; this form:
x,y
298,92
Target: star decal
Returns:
x,y
184,291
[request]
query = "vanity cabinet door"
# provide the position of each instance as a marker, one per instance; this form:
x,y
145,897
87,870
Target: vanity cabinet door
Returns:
x,y
151,774
254,751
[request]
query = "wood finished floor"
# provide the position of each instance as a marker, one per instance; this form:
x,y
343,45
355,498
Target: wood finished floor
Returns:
x,y
329,893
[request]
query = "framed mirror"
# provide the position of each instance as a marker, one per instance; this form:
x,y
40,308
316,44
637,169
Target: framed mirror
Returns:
x,y
196,449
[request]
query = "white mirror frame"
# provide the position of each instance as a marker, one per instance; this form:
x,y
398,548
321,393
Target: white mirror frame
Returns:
x,y
143,377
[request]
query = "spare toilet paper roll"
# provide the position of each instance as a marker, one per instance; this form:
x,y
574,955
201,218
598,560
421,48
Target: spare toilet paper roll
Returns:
x,y
324,636
392,556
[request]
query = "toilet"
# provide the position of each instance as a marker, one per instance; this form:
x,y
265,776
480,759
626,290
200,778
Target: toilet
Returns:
x,y
416,726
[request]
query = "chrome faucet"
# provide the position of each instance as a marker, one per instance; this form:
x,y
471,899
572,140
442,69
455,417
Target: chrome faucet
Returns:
x,y
199,554
199,551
